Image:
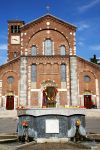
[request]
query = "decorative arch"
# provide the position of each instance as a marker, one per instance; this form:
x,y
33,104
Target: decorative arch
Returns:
x,y
87,71
66,39
8,72
49,93
87,92
47,83
10,89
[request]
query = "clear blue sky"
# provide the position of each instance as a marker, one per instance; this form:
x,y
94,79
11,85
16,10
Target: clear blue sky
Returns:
x,y
85,14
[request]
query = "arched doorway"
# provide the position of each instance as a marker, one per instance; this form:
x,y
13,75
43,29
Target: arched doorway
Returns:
x,y
88,100
10,101
49,93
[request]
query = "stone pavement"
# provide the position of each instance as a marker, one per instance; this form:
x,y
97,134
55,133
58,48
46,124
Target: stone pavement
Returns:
x,y
8,113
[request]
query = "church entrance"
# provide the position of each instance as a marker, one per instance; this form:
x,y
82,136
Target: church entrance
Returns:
x,y
49,96
88,101
10,102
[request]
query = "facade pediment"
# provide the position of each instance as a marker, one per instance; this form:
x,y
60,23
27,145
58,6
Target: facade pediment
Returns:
x,y
47,18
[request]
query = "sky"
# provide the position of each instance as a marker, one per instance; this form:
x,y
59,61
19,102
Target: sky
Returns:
x,y
85,14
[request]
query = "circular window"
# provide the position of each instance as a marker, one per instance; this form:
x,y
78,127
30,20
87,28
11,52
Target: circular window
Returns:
x,y
87,78
10,79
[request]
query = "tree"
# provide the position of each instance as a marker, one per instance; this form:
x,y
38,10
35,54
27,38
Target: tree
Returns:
x,y
95,60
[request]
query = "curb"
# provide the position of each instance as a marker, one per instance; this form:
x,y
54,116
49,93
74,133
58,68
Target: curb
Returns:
x,y
24,145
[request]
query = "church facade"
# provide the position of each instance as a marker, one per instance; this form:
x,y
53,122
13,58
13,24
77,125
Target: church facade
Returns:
x,y
43,69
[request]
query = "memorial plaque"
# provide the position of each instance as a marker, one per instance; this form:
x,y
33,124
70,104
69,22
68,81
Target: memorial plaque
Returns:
x,y
52,126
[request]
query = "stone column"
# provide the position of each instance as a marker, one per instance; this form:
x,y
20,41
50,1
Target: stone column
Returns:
x,y
68,84
23,81
15,101
97,93
74,81
29,86
40,97
57,100
0,93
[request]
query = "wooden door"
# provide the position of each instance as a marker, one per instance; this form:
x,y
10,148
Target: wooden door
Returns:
x,y
10,103
87,101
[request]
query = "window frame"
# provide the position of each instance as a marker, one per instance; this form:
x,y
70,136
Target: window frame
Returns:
x,y
87,78
46,52
15,54
35,52
34,75
10,79
63,72
15,29
62,53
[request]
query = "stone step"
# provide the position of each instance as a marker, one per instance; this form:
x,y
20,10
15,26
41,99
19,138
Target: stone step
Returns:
x,y
8,137
8,140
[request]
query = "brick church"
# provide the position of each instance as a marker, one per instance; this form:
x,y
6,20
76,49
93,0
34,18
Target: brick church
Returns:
x,y
43,69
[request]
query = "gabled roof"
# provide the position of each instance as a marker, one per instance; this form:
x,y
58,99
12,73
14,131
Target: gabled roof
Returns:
x,y
9,62
90,63
48,16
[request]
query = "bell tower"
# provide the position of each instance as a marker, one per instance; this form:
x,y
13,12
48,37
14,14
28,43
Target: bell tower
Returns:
x,y
14,34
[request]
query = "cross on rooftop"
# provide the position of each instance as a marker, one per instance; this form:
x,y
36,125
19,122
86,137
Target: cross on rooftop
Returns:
x,y
48,8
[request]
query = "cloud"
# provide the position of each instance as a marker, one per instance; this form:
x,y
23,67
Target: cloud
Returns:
x,y
88,6
83,26
95,47
3,46
80,43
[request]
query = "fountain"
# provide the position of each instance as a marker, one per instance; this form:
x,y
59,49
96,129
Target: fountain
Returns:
x,y
51,124
55,128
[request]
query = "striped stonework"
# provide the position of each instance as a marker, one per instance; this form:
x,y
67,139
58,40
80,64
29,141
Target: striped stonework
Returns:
x,y
74,44
97,93
1,93
29,85
74,80
68,85
23,81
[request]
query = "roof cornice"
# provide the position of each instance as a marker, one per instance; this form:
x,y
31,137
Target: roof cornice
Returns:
x,y
91,63
48,16
9,62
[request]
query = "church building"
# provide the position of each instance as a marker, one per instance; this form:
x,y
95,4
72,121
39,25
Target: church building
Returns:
x,y
43,69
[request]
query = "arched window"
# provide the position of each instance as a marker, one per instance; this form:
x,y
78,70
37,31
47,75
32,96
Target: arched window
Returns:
x,y
87,78
63,72
10,79
48,48
15,54
62,50
33,50
33,72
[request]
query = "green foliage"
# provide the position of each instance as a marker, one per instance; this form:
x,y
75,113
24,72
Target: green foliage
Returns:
x,y
95,60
